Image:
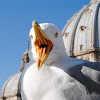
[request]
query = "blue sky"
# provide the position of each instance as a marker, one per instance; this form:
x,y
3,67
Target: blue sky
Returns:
x,y
16,18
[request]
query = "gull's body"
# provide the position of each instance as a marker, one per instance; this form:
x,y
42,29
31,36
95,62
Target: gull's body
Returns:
x,y
60,77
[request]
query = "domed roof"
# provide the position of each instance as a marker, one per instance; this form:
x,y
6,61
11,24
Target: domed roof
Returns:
x,y
12,86
82,32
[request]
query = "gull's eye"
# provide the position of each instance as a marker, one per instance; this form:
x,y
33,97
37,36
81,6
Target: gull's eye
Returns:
x,y
31,36
56,34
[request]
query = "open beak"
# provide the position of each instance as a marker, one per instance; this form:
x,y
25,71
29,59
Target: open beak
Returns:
x,y
43,44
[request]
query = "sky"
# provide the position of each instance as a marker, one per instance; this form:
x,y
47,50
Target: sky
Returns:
x,y
16,17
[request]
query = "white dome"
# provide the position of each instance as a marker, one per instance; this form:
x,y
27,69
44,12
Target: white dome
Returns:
x,y
12,86
82,33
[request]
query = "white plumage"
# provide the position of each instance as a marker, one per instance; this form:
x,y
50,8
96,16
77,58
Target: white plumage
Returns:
x,y
60,77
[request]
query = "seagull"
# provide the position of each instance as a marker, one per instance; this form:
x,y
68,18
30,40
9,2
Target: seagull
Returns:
x,y
51,74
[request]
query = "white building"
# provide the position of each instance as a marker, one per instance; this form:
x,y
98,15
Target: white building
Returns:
x,y
81,34
12,87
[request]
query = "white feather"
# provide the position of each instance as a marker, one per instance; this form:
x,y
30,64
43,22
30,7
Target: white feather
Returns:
x,y
60,77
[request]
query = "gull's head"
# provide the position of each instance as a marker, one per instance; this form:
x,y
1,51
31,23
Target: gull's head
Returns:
x,y
46,43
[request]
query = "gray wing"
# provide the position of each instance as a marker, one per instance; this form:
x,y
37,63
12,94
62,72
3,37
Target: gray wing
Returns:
x,y
88,75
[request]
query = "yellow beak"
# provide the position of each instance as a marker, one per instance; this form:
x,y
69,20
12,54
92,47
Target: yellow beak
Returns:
x,y
43,44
